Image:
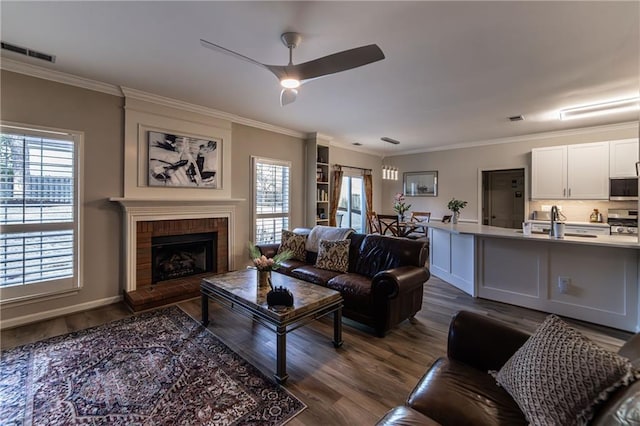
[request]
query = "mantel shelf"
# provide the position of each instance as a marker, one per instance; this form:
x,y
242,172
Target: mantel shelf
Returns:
x,y
131,202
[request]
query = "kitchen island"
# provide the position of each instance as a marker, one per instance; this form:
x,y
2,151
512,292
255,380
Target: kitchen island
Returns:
x,y
591,278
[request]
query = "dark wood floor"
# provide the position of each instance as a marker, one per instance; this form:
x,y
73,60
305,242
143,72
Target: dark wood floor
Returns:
x,y
353,385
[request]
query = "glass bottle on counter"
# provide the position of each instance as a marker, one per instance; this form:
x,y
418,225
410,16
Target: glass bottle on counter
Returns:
x,y
596,217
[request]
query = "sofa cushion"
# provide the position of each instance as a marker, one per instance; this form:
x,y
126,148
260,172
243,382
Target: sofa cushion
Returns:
x,y
355,290
559,375
314,275
293,243
333,255
321,232
286,266
379,253
453,393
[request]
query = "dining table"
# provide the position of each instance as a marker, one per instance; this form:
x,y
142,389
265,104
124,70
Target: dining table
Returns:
x,y
390,223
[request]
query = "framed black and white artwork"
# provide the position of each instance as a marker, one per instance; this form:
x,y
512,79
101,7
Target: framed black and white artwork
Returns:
x,y
184,161
420,184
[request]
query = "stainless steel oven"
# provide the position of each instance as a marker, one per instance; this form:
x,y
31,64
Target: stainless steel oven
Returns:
x,y
621,189
623,222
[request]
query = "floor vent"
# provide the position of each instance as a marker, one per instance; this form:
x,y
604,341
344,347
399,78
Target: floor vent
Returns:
x,y
28,52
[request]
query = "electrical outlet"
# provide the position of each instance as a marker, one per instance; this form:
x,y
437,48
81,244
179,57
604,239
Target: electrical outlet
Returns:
x,y
563,284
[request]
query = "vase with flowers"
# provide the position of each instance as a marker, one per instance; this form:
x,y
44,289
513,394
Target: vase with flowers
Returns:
x,y
400,206
264,265
455,206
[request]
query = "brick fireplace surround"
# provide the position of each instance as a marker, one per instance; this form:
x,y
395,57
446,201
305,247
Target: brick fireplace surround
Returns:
x,y
149,295
147,218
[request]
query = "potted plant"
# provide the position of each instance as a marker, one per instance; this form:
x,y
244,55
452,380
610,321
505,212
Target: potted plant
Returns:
x,y
264,265
400,206
455,206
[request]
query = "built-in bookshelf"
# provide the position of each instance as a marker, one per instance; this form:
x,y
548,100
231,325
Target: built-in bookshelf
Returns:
x,y
322,185
318,178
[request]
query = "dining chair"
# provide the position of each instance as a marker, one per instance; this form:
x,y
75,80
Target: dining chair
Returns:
x,y
374,223
388,223
419,218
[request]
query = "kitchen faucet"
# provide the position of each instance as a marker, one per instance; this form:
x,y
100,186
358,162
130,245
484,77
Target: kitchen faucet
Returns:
x,y
555,216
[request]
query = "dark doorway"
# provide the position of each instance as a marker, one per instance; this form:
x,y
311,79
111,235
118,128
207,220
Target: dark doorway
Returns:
x,y
503,198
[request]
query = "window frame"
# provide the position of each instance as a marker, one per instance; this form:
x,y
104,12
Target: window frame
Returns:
x,y
255,160
363,205
42,290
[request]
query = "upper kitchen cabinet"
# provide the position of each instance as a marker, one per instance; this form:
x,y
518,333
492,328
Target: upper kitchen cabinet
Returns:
x,y
570,172
623,156
549,173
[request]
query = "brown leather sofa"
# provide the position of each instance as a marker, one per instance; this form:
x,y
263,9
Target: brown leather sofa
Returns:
x,y
384,283
458,391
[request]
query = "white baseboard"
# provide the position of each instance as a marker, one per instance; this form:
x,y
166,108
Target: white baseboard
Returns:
x,y
26,319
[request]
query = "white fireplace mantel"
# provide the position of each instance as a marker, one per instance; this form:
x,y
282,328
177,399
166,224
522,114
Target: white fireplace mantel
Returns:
x,y
146,209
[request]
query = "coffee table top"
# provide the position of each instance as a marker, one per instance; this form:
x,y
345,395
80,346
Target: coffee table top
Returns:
x,y
241,286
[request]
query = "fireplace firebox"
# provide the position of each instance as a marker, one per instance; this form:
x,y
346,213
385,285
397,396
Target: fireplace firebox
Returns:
x,y
178,256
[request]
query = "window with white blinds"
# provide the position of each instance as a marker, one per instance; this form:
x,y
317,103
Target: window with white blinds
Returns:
x,y
38,213
271,199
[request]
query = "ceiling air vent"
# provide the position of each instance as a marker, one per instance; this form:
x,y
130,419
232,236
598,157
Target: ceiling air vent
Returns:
x,y
28,52
516,118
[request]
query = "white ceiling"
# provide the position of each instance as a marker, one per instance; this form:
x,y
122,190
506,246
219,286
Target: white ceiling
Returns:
x,y
453,73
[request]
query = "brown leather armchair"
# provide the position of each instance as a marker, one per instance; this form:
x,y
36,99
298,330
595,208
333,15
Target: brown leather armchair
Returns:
x,y
457,390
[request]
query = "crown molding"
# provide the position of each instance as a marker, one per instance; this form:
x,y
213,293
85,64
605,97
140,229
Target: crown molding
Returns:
x,y
209,112
58,76
631,125
85,83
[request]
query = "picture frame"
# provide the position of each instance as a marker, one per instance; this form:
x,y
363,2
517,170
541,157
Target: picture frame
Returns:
x,y
420,184
184,161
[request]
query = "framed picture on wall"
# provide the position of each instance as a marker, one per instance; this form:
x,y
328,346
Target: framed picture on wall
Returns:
x,y
420,184
184,161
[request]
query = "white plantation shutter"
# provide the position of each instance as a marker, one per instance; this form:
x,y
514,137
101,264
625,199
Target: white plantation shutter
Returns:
x,y
271,199
38,213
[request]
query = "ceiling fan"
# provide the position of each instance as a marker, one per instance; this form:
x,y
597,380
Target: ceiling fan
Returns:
x,y
292,76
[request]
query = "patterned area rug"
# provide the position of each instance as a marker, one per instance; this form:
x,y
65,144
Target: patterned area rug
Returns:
x,y
161,367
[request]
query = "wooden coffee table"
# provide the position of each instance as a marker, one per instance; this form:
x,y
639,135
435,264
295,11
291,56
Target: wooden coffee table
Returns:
x,y
238,291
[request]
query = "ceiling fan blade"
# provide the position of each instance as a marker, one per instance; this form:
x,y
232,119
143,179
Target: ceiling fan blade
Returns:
x,y
337,62
237,55
287,96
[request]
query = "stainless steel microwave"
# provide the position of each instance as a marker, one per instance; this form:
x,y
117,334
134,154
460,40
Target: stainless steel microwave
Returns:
x,y
622,189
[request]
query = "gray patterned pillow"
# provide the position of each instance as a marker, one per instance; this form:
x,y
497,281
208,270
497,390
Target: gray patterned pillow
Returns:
x,y
333,255
294,243
558,375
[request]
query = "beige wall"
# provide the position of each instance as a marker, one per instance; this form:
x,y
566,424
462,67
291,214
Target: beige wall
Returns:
x,y
458,170
248,142
100,116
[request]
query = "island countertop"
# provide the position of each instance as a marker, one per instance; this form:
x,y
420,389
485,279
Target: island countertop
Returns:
x,y
493,231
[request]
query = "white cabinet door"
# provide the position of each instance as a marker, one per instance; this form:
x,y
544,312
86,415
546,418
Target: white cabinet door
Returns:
x,y
588,171
549,172
623,155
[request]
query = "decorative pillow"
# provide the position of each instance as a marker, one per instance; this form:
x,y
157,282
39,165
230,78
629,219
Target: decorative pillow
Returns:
x,y
294,243
333,255
558,375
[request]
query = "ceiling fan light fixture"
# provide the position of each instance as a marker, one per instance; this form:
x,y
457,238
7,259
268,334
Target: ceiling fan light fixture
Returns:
x,y
613,107
290,83
287,96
